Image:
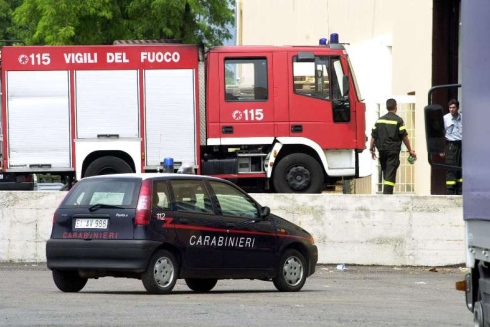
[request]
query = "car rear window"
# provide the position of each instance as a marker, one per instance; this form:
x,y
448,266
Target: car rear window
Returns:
x,y
119,192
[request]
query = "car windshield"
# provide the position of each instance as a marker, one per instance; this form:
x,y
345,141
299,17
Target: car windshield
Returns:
x,y
110,192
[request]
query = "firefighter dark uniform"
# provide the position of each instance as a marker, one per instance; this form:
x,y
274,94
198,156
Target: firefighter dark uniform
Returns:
x,y
454,136
388,133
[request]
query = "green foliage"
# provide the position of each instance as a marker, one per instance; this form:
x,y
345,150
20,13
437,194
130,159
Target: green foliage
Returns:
x,y
7,29
56,22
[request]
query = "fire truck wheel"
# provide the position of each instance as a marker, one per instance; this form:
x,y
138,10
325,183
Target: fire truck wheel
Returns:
x,y
298,173
107,165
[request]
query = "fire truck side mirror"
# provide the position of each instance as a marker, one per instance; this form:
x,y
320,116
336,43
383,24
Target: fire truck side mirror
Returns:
x,y
434,128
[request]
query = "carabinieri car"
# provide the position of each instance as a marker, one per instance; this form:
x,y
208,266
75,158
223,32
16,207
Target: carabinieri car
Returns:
x,y
162,227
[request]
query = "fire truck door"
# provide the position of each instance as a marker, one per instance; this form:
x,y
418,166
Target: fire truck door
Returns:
x,y
246,96
318,109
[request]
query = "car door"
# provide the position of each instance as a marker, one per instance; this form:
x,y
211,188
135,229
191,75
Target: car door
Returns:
x,y
197,227
251,241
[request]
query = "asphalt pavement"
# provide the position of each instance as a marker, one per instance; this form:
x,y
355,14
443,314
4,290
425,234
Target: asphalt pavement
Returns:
x,y
357,296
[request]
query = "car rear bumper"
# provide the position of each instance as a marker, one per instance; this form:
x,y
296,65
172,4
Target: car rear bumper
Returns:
x,y
114,255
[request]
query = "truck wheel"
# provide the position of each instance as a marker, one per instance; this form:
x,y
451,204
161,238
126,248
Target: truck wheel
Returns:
x,y
291,275
161,275
68,281
201,285
298,173
478,315
107,165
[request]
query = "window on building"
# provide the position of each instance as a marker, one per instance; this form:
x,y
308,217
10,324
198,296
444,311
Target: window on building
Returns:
x,y
246,79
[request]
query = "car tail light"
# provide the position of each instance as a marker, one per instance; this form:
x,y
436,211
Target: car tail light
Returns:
x,y
143,209
54,216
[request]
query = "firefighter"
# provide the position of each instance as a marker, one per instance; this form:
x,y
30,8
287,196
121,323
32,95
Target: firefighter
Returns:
x,y
453,123
387,136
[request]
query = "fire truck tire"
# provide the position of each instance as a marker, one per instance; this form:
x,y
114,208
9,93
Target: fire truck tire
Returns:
x,y
107,165
298,173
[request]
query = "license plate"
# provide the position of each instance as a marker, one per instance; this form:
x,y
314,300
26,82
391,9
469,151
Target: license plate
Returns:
x,y
91,223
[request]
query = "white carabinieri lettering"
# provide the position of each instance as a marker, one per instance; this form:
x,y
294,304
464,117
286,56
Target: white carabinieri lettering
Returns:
x,y
222,241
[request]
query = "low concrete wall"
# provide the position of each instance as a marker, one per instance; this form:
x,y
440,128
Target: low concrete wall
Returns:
x,y
351,229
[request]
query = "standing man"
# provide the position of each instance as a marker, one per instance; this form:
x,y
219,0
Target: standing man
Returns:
x,y
453,123
387,135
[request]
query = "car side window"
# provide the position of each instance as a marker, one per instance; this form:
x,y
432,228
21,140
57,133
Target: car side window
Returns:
x,y
161,199
191,196
233,202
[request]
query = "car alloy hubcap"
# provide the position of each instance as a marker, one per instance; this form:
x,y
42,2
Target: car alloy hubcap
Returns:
x,y
293,271
163,272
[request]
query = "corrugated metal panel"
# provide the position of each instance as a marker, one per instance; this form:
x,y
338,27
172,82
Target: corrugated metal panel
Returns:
x,y
39,118
107,103
170,115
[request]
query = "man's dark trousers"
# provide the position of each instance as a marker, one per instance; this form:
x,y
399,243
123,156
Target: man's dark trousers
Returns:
x,y
390,161
454,179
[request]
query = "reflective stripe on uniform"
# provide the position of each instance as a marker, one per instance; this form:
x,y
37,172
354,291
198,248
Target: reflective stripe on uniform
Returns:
x,y
389,183
385,121
450,182
402,128
460,180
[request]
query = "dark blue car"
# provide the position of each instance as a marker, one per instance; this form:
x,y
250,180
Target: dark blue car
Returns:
x,y
162,227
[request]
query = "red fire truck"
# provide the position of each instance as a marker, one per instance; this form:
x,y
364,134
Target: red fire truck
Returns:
x,y
284,118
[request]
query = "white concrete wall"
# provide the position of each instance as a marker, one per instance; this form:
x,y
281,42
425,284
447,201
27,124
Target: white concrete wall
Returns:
x,y
350,229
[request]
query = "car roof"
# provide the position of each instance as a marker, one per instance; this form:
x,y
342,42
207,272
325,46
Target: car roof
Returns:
x,y
144,176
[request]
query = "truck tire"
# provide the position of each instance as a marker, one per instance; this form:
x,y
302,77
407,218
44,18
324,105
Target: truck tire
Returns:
x,y
107,165
478,315
298,173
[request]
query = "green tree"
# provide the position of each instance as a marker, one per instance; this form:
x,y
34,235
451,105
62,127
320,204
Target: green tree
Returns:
x,y
57,22
8,31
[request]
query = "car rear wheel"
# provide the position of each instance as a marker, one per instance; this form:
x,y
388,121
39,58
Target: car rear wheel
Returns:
x,y
292,272
161,275
68,281
201,284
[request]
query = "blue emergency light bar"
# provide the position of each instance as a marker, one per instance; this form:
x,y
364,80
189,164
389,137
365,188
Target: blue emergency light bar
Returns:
x,y
334,39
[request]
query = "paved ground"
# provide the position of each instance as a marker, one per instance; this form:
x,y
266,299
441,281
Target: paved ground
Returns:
x,y
358,296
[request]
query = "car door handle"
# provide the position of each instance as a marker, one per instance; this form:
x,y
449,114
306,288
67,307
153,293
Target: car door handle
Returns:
x,y
183,221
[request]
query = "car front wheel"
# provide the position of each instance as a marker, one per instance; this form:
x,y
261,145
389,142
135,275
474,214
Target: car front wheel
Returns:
x,y
161,275
292,272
